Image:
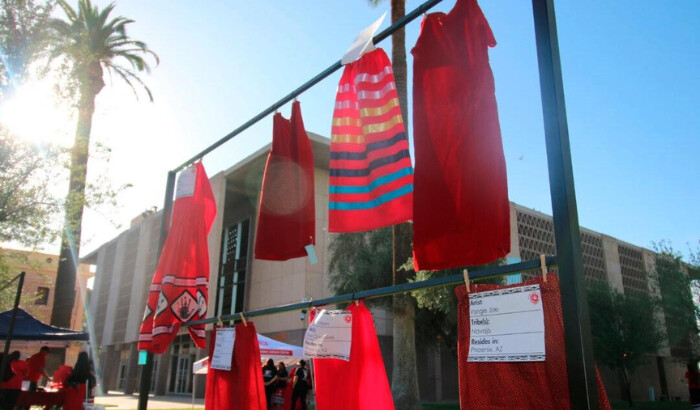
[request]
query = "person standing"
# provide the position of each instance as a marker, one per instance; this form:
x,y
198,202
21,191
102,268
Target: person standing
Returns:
x,y
300,385
37,367
269,373
280,386
16,371
75,387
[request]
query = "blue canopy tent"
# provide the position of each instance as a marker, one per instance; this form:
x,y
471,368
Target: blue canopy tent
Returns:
x,y
27,327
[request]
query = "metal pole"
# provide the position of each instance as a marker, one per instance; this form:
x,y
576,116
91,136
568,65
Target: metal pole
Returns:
x,y
147,369
451,280
325,73
11,328
579,348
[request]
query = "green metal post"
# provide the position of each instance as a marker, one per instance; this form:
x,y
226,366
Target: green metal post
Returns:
x,y
147,369
579,347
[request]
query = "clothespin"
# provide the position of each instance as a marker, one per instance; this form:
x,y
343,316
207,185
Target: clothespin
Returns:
x,y
543,266
466,279
219,322
357,302
243,319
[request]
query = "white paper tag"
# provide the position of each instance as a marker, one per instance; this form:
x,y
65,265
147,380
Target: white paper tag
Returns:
x,y
363,43
506,325
223,349
329,336
185,182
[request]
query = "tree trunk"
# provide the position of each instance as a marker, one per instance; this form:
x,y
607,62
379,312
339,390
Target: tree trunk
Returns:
x,y
64,296
404,383
625,384
404,380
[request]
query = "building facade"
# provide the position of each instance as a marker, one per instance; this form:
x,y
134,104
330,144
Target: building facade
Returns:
x,y
239,282
38,295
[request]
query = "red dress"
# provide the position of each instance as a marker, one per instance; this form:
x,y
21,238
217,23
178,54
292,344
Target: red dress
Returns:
x,y
461,213
360,383
179,292
241,388
518,385
287,220
371,177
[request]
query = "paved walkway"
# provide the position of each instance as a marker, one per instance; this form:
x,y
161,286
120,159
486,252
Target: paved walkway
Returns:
x,y
119,401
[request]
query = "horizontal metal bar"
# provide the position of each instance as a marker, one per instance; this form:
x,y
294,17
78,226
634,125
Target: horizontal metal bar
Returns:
x,y
387,291
325,73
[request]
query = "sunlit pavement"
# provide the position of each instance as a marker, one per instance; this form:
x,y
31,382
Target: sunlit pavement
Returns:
x,y
117,400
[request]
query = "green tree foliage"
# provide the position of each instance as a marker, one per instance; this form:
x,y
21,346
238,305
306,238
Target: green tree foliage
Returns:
x,y
22,39
681,314
27,207
625,329
88,43
361,261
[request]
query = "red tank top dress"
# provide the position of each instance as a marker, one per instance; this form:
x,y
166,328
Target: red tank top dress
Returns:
x,y
461,212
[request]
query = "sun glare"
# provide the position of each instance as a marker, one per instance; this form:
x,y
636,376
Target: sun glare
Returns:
x,y
32,115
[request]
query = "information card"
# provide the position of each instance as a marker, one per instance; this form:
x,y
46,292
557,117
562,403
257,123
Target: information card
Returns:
x,y
506,325
329,336
223,349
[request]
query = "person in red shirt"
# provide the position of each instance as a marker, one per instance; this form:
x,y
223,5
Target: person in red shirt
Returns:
x,y
16,371
37,365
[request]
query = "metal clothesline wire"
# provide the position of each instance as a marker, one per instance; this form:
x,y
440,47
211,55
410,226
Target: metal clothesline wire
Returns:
x,y
457,279
325,73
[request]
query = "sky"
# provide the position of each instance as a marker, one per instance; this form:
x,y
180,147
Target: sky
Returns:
x,y
631,71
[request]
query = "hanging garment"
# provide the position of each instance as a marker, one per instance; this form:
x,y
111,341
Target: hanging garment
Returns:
x,y
518,385
461,214
361,382
371,177
178,292
241,388
286,219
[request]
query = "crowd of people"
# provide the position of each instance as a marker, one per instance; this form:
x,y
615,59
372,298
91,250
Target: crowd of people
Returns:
x,y
285,389
75,381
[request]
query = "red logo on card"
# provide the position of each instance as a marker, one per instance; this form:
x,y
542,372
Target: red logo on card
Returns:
x,y
534,298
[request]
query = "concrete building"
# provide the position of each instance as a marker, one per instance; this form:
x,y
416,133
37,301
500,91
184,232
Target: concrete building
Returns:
x,y
239,282
38,297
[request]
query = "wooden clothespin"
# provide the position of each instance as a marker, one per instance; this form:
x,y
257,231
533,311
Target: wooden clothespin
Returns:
x,y
543,266
219,322
466,280
357,302
243,319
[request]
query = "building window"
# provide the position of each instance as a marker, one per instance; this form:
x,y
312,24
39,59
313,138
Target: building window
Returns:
x,y
42,296
233,269
182,355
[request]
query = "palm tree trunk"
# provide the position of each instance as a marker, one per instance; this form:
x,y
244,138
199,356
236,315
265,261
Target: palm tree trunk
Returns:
x,y
64,297
404,375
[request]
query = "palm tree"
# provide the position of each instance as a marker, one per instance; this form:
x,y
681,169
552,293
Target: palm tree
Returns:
x,y
404,379
91,43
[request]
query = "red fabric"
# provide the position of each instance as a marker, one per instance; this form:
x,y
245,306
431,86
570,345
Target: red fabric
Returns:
x,y
21,371
508,385
75,397
360,383
178,292
62,374
286,219
241,388
371,177
461,213
36,363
